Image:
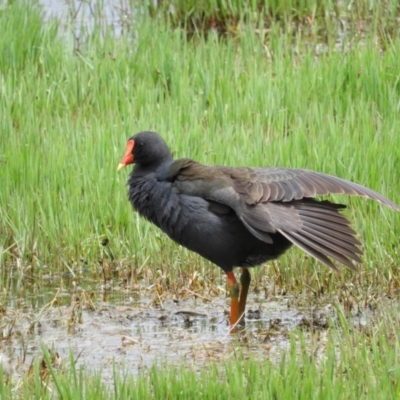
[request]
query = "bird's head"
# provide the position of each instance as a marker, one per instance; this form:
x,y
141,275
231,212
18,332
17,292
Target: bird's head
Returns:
x,y
145,149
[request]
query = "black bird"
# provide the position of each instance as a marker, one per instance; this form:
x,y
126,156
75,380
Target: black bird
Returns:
x,y
241,217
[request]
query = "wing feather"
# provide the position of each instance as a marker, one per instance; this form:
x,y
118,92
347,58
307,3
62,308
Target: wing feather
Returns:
x,y
285,184
271,200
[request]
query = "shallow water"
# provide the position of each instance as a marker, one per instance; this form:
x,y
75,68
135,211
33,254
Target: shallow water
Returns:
x,y
133,331
83,14
142,324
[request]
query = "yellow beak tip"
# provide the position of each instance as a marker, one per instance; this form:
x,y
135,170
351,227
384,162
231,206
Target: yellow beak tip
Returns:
x,y
120,166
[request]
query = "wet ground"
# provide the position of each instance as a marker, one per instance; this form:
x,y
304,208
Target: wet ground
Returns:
x,y
137,329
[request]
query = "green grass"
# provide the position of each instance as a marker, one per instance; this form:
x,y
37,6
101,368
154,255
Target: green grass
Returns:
x,y
248,101
257,98
312,19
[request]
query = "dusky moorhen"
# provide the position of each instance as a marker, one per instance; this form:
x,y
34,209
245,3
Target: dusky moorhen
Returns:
x,y
241,217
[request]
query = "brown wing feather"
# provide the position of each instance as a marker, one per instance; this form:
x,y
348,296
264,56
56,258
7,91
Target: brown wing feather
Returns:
x,y
284,184
320,230
270,200
256,185
317,227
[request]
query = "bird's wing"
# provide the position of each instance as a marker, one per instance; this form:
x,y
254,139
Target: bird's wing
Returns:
x,y
281,199
271,200
257,185
317,227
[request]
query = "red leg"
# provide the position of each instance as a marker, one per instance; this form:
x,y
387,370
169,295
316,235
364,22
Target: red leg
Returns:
x,y
233,289
245,279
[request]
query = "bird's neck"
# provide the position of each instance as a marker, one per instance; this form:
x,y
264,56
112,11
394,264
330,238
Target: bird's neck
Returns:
x,y
156,167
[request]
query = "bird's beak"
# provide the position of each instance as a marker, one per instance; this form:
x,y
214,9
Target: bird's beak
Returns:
x,y
121,166
128,157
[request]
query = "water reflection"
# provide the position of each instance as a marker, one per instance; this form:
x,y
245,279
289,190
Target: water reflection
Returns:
x,y
83,15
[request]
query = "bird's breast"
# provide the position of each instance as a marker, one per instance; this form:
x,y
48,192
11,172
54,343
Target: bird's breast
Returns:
x,y
162,204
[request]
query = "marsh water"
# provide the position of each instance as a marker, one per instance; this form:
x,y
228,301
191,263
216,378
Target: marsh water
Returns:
x,y
82,15
108,326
